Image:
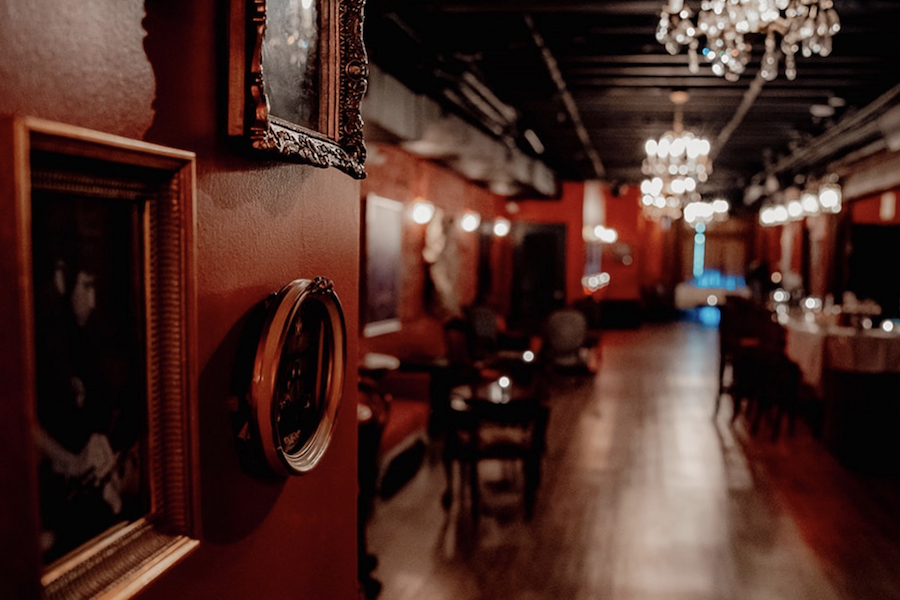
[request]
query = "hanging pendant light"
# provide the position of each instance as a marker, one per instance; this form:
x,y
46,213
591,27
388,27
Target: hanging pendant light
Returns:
x,y
675,164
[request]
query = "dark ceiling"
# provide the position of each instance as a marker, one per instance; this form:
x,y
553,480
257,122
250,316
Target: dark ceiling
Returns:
x,y
591,81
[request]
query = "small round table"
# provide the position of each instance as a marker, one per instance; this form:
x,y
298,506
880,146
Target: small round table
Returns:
x,y
495,420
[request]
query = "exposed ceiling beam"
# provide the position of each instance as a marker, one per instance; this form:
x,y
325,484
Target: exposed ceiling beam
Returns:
x,y
607,7
838,75
846,132
615,7
704,113
569,102
705,82
619,135
620,30
743,108
682,59
707,98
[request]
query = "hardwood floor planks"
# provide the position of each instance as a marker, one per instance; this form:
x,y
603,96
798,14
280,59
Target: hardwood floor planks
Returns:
x,y
646,497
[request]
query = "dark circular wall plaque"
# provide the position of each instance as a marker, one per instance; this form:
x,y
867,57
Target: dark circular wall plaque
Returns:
x,y
298,375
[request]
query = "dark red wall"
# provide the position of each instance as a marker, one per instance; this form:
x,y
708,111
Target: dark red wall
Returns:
x,y
866,210
398,175
623,215
161,77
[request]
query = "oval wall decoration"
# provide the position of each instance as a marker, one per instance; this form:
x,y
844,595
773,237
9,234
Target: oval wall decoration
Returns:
x,y
298,375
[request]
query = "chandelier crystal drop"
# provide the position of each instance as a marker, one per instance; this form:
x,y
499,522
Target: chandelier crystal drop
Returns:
x,y
789,26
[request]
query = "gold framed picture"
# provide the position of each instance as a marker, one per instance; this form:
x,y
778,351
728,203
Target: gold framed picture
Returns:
x,y
99,355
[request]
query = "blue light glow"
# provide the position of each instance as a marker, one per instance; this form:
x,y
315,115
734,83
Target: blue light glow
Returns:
x,y
712,278
699,254
709,316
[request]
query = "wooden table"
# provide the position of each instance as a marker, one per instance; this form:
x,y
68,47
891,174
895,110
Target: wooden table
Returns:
x,y
495,420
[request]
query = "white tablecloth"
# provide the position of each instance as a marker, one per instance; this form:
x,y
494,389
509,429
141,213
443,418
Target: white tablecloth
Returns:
x,y
804,344
815,348
873,351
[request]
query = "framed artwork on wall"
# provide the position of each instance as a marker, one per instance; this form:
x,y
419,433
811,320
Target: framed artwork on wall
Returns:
x,y
297,74
99,360
298,375
383,261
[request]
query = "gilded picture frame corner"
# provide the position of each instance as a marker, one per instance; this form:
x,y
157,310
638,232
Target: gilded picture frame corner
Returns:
x,y
333,135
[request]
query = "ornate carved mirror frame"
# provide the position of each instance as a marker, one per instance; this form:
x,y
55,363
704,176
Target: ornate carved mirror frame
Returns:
x,y
270,62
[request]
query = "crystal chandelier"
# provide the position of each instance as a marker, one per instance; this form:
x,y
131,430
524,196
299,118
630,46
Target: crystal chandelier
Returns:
x,y
789,26
674,165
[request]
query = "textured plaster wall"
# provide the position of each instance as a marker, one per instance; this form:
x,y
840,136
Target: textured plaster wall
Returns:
x,y
81,61
160,76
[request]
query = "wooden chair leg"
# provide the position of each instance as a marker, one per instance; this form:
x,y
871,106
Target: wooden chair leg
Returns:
x,y
474,491
722,361
758,409
776,425
532,467
792,415
450,450
447,496
736,399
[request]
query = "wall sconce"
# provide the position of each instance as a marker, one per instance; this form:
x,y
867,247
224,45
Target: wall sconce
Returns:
x,y
470,221
810,201
422,211
501,227
592,283
830,197
599,233
606,235
773,215
797,205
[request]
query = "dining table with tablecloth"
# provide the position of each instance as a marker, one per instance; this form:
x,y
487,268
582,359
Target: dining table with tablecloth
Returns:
x,y
855,372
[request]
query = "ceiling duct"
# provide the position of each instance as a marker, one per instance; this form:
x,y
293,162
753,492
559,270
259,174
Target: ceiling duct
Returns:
x,y
889,124
861,133
421,127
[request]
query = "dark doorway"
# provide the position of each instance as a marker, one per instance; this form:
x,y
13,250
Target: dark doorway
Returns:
x,y
539,273
873,272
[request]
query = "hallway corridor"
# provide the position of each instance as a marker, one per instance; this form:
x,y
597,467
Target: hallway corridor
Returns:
x,y
645,497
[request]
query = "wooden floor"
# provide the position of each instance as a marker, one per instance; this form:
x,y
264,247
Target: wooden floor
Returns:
x,y
645,496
